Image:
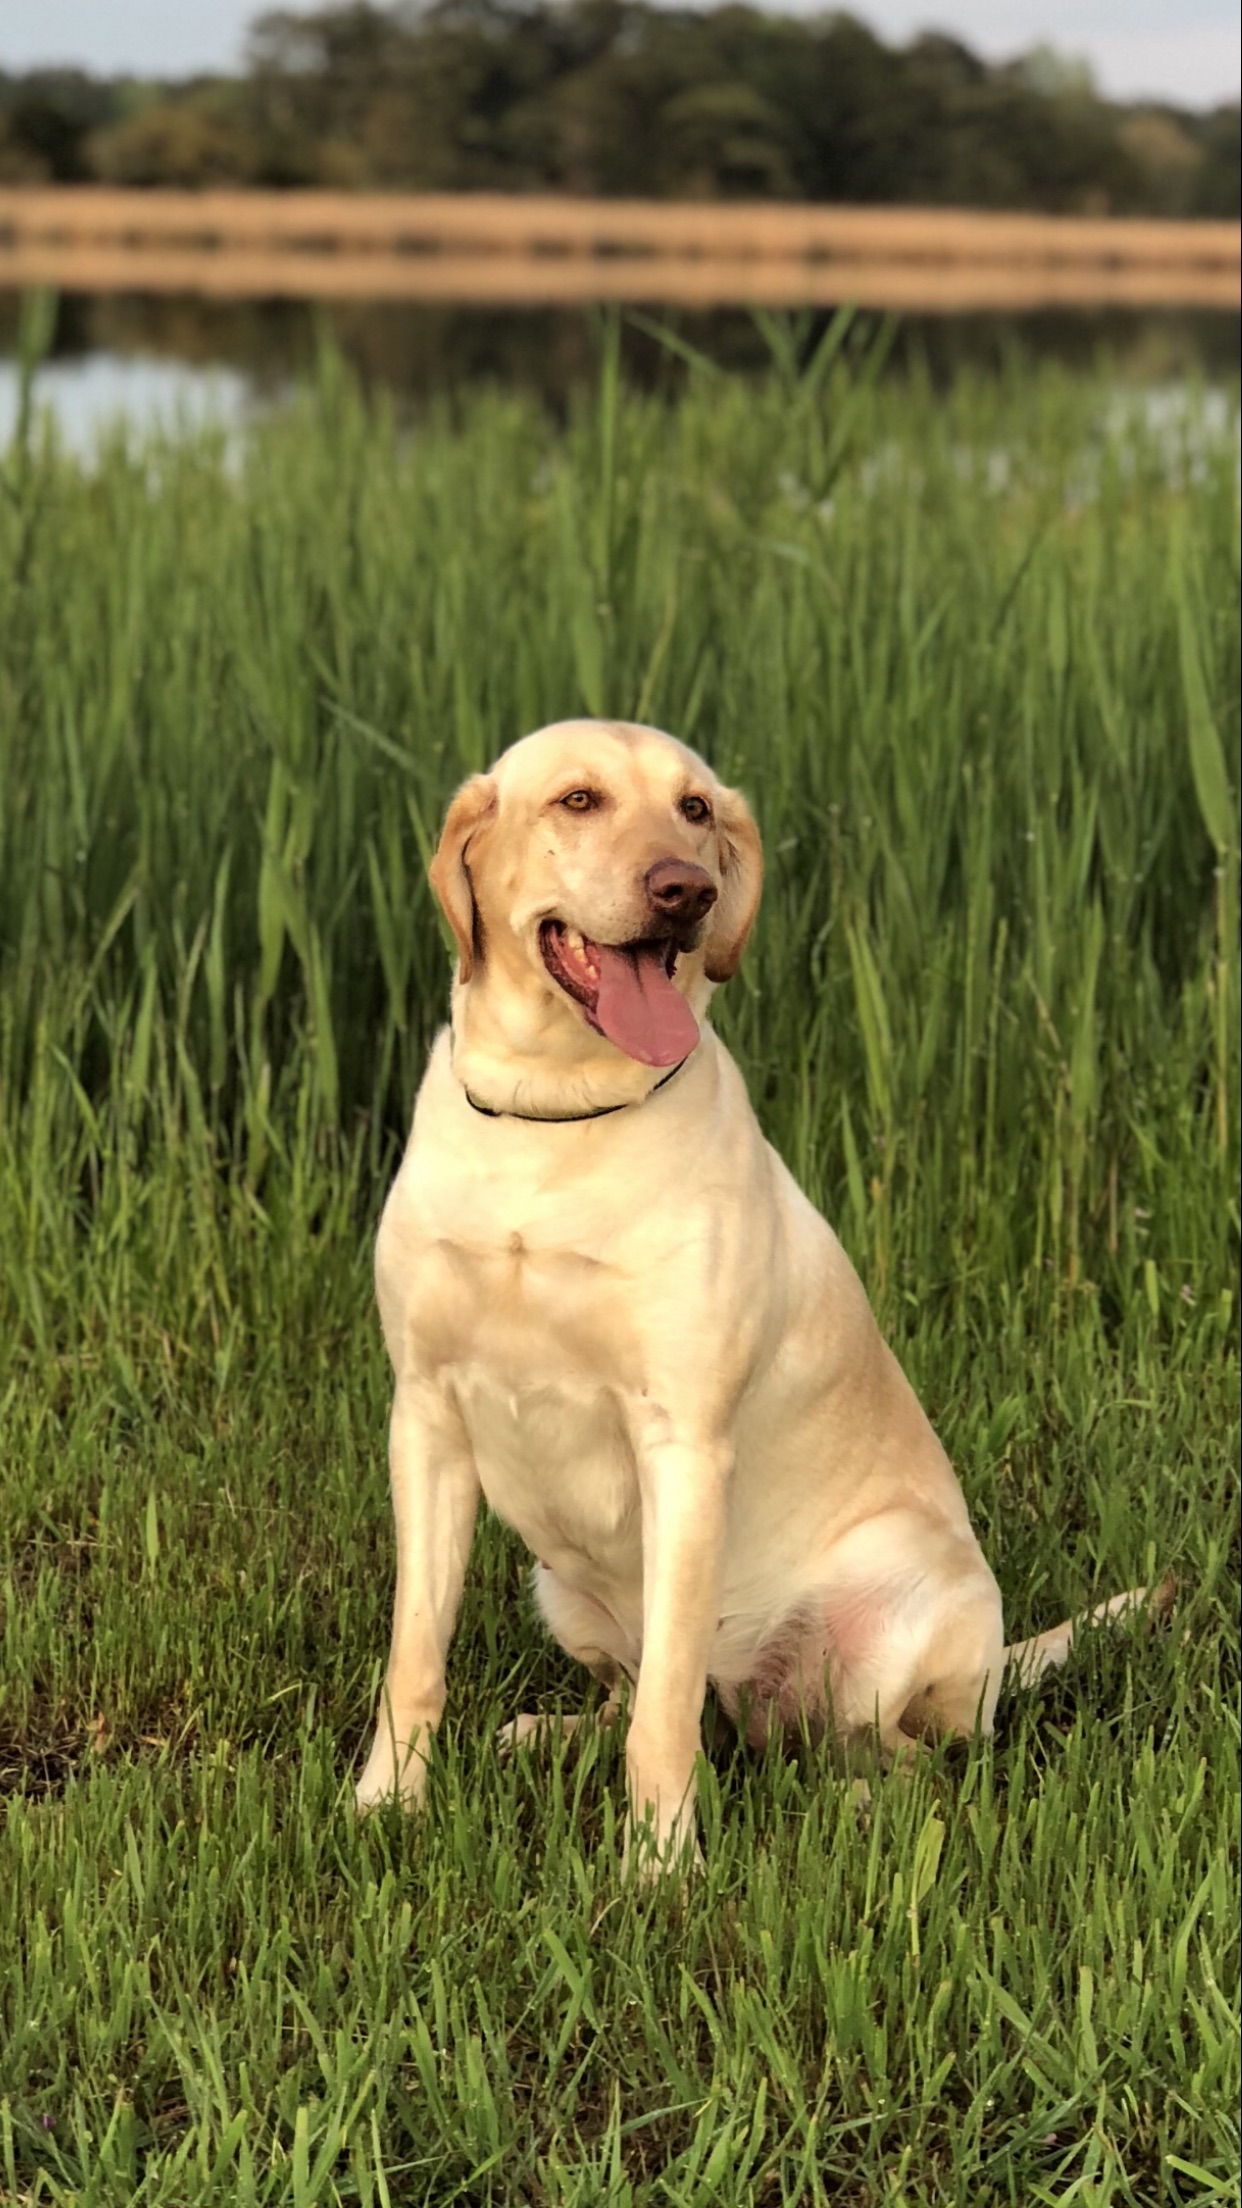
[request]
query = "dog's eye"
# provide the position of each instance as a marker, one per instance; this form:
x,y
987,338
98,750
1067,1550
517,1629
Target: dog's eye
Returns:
x,y
580,801
696,809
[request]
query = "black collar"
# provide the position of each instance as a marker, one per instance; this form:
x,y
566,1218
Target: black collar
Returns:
x,y
573,1119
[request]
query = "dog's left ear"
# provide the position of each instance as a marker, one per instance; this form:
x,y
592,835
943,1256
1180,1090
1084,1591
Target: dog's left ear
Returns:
x,y
741,858
474,803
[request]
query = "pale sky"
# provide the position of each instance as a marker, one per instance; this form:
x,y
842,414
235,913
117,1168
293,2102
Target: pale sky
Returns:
x,y
1187,51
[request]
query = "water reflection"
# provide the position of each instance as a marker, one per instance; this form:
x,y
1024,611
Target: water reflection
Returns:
x,y
162,361
90,397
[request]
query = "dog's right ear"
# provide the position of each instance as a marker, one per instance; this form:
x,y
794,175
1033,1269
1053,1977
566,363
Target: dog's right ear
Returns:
x,y
474,803
741,859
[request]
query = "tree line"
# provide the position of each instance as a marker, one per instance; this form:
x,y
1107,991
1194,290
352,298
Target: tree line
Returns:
x,y
619,97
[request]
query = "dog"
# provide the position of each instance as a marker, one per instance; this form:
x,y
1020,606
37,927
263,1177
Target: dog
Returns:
x,y
611,1311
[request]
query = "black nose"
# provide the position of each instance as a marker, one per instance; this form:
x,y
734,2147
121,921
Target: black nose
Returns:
x,y
680,889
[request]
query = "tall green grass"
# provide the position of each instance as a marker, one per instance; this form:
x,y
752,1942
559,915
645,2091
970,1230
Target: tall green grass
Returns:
x,y
975,657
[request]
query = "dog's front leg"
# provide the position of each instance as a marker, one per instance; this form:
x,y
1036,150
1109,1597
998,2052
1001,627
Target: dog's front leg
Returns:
x,y
435,1495
684,1485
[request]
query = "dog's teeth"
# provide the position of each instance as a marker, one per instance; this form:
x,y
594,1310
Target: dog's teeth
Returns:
x,y
574,942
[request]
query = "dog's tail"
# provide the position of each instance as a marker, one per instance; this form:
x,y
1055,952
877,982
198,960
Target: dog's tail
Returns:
x,y
1029,1660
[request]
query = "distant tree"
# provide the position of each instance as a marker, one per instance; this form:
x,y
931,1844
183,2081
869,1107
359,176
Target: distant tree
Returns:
x,y
626,97
191,141
1218,186
46,121
1167,157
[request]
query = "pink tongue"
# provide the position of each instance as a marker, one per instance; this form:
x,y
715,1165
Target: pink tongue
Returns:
x,y
639,1010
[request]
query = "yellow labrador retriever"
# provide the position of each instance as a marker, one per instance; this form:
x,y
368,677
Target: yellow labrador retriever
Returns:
x,y
612,1312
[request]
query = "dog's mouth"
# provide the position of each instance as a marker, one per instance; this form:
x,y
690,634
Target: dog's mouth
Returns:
x,y
626,991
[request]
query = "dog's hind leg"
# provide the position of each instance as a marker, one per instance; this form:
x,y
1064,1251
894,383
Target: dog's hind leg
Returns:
x,y
589,1633
541,1726
1029,1660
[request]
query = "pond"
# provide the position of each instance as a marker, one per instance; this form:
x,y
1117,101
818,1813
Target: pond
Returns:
x,y
162,363
91,396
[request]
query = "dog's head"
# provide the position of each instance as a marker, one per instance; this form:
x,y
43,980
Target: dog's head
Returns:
x,y
598,881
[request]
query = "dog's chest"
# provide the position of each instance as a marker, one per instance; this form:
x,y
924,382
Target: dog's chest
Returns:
x,y
536,1347
555,1462
529,1311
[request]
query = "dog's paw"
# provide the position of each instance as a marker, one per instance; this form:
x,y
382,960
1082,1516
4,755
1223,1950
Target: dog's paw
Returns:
x,y
858,1797
542,1726
392,1774
537,1726
649,1857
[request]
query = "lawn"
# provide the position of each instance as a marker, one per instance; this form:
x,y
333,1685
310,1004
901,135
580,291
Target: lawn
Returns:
x,y
974,655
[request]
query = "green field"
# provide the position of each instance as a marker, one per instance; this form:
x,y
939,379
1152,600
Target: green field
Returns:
x,y
974,655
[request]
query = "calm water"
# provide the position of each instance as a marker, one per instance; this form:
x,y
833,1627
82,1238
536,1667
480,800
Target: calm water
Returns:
x,y
161,364
90,398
